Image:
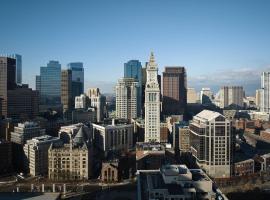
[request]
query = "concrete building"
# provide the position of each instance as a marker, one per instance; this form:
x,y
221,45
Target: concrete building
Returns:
x,y
133,69
73,160
48,83
152,102
175,182
36,151
66,93
258,98
26,131
181,137
174,91
127,97
77,71
113,137
206,96
82,102
231,96
98,101
191,95
211,143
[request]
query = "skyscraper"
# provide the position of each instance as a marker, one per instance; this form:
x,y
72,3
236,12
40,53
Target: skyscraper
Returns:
x,y
66,92
211,143
206,96
174,91
231,95
133,69
77,78
18,59
127,90
98,101
265,92
50,83
152,102
7,80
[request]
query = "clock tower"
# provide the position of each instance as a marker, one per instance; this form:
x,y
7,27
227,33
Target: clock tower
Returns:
x,y
152,103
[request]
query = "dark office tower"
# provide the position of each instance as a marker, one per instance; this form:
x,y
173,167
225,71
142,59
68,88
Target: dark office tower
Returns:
x,y
143,88
22,103
66,92
77,79
174,91
7,79
133,69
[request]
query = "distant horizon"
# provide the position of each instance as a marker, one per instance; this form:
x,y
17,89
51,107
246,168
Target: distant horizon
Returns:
x,y
219,43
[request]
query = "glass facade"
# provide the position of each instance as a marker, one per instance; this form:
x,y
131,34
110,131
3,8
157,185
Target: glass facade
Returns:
x,y
133,69
50,83
77,78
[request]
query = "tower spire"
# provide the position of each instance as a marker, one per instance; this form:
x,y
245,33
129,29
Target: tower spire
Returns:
x,y
152,63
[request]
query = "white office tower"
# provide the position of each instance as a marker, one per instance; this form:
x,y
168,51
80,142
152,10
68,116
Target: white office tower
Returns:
x,y
231,95
258,98
98,101
152,102
82,102
265,92
191,95
127,93
211,143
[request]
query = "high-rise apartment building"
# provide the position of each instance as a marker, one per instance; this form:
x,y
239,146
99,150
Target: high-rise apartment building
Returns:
x,y
127,97
211,143
49,83
36,152
98,101
152,102
174,91
133,69
66,92
231,95
265,92
77,78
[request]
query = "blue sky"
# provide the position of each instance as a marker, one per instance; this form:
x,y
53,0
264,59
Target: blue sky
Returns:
x,y
219,42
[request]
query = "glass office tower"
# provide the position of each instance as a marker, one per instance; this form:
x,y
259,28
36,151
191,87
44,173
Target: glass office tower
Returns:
x,y
77,78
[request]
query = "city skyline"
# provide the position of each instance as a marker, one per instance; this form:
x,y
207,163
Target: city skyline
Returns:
x,y
222,39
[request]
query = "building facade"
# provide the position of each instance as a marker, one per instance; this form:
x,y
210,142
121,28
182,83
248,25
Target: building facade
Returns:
x,y
211,143
36,152
66,93
174,91
26,131
206,96
127,97
82,102
98,101
133,69
7,80
265,92
49,83
77,78
231,96
152,102
191,95
113,137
